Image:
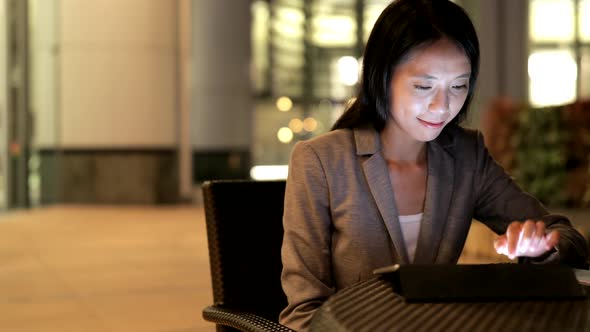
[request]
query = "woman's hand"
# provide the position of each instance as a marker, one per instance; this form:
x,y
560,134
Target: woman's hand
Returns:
x,y
526,239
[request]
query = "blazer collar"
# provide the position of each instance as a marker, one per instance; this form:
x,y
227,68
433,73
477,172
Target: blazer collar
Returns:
x,y
367,141
438,192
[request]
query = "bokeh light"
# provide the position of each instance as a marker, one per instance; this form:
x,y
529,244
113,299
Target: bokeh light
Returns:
x,y
296,125
310,124
348,70
285,135
284,104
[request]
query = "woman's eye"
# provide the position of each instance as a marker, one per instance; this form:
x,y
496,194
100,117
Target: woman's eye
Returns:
x,y
421,87
460,87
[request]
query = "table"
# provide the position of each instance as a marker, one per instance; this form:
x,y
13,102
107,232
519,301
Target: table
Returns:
x,y
373,305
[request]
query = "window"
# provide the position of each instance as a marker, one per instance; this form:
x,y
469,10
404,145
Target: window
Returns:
x,y
559,59
305,56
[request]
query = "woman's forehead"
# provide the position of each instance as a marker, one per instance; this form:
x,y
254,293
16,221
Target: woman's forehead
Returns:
x,y
442,55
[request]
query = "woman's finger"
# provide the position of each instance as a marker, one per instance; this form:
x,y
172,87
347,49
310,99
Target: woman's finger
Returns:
x,y
551,239
513,234
538,238
500,245
527,235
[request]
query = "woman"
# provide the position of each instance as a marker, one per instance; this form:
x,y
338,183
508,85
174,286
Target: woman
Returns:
x,y
397,180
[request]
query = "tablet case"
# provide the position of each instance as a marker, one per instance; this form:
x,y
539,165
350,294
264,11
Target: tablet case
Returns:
x,y
483,282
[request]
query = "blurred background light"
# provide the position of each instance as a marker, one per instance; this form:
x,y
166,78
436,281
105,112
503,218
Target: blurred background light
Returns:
x,y
285,135
310,124
333,30
290,14
584,20
553,76
296,125
269,172
348,70
559,13
284,104
289,22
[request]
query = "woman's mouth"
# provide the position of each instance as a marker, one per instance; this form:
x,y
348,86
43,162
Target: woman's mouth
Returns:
x,y
433,125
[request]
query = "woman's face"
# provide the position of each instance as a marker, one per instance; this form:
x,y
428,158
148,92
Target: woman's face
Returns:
x,y
428,90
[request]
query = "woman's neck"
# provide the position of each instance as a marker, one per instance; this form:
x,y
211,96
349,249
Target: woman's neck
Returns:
x,y
398,147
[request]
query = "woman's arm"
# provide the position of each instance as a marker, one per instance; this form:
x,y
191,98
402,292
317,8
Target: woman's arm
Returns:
x,y
306,254
500,201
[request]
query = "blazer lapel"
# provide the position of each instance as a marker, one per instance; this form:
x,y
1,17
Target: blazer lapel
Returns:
x,y
375,169
439,191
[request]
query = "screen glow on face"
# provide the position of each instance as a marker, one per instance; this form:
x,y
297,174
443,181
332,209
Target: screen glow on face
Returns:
x,y
429,89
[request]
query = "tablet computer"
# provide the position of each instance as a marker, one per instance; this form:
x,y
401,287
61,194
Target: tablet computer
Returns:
x,y
483,282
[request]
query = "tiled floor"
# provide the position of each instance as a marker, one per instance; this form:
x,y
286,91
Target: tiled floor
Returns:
x,y
91,268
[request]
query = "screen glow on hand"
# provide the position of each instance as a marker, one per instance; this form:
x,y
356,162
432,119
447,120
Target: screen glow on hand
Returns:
x,y
526,239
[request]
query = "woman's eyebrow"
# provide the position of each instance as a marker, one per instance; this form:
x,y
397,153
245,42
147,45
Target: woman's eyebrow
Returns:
x,y
430,77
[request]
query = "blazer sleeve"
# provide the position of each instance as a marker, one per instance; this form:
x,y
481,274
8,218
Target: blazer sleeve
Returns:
x,y
499,201
306,277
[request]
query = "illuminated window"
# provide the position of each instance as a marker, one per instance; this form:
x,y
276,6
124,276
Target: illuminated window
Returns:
x,y
260,35
553,76
559,61
333,31
552,20
584,20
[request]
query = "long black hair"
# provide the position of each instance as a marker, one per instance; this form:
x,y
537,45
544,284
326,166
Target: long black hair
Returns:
x,y
403,26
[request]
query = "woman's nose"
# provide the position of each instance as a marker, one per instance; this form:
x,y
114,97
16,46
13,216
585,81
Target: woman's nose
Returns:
x,y
440,102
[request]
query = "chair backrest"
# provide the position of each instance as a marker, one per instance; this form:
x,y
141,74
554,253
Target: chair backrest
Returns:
x,y
245,233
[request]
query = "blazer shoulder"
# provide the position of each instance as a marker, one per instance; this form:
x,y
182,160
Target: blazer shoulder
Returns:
x,y
331,142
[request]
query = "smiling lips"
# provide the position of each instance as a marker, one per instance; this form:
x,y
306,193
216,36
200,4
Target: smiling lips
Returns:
x,y
433,125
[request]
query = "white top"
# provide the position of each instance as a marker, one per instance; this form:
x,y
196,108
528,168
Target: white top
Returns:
x,y
410,229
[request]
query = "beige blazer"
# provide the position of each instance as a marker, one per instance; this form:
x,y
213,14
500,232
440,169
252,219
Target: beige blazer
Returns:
x,y
341,221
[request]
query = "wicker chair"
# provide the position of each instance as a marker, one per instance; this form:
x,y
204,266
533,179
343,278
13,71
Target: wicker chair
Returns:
x,y
245,232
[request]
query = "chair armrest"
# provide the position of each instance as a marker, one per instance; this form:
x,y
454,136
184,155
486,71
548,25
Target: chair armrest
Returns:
x,y
240,320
